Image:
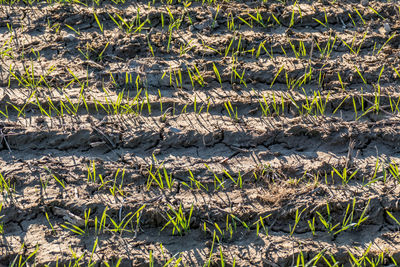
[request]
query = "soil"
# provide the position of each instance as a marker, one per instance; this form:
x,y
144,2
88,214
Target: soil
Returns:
x,y
89,117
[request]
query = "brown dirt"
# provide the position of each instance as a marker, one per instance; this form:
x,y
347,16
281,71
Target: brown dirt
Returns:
x,y
286,158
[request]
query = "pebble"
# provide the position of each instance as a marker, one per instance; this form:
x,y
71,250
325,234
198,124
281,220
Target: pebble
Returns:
x,y
175,130
364,2
69,37
387,28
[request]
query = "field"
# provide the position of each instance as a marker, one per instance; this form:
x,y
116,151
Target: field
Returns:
x,y
199,133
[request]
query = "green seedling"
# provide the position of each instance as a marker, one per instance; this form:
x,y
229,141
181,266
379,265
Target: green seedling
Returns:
x,y
361,76
341,103
195,182
390,215
320,103
375,176
388,40
159,178
296,221
344,175
394,105
76,258
208,262
217,74
59,181
276,76
91,172
313,262
230,228
380,74
53,28
347,222
376,12
7,50
218,182
245,22
363,218
359,14
102,225
73,228
332,262
233,114
269,53
90,263
293,13
121,226
341,82
311,224
1,217
101,27
361,43
73,29
355,261
244,224
393,170
257,18
178,220
6,186
327,222
50,224
260,222
352,20
376,261
265,107
222,261
151,259
19,261
275,18
118,189
78,229
320,22
238,182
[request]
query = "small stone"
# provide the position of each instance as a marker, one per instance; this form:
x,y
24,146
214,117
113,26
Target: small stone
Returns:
x,y
387,28
175,130
69,37
364,2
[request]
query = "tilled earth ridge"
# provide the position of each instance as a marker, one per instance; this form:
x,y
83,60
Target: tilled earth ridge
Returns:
x,y
91,118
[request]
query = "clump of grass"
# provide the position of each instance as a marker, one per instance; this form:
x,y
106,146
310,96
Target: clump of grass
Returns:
x,y
179,220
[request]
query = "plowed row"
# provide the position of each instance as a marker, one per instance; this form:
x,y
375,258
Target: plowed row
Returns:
x,y
188,133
